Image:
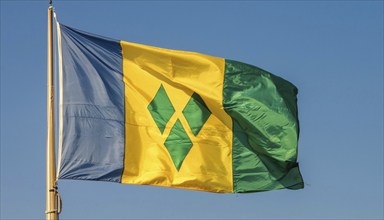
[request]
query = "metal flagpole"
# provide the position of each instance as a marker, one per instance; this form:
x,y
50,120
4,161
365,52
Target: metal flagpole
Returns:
x,y
52,212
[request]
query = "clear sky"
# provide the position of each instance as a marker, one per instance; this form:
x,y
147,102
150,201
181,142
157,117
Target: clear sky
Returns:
x,y
331,50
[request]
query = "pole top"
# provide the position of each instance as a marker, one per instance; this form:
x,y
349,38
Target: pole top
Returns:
x,y
50,2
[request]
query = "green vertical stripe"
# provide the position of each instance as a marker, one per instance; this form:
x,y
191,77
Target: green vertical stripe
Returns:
x,y
265,128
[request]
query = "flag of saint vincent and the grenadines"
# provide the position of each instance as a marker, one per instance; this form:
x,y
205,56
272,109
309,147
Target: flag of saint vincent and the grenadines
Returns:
x,y
138,114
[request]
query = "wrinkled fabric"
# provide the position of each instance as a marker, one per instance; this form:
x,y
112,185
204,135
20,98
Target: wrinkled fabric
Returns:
x,y
265,128
137,114
92,107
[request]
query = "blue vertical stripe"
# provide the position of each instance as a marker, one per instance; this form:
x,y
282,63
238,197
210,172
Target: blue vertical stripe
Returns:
x,y
93,107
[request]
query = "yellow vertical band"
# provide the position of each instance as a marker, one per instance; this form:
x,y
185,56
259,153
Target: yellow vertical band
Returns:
x,y
208,164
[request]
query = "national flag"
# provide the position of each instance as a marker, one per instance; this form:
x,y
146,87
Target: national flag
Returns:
x,y
138,114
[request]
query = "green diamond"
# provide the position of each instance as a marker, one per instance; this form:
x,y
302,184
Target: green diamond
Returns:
x,y
196,113
161,108
178,144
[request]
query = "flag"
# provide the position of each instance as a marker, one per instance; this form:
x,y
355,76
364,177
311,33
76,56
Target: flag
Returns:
x,y
137,114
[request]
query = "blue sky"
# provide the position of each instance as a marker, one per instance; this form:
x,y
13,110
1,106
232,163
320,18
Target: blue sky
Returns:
x,y
331,50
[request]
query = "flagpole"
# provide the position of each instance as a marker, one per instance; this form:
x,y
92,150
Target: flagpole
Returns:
x,y
52,197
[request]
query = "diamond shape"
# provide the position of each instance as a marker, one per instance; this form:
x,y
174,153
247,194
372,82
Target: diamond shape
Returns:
x,y
196,113
178,144
161,108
